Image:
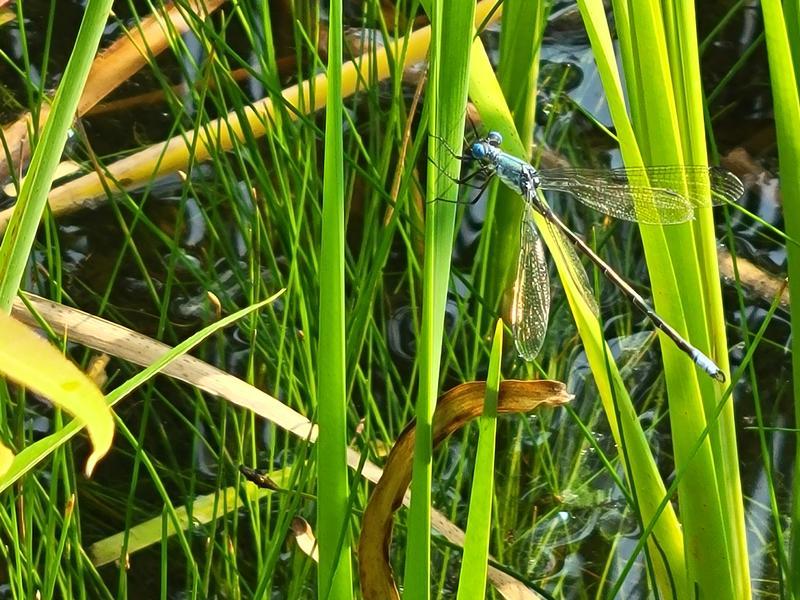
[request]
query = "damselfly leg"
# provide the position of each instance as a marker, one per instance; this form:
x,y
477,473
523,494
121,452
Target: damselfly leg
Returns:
x,y
466,180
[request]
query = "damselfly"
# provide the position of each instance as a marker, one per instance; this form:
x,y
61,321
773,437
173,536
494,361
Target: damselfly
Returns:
x,y
644,195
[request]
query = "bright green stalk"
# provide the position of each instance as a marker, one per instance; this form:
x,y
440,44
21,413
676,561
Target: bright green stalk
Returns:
x,y
686,75
335,577
452,24
787,124
671,132
791,10
472,581
657,121
19,236
664,109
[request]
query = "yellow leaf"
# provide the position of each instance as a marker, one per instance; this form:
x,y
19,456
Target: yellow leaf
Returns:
x,y
32,362
6,458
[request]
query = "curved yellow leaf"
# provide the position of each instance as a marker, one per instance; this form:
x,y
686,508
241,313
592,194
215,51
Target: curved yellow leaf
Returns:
x,y
30,361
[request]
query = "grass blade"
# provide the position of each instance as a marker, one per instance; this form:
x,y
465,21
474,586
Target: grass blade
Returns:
x,y
663,129
335,576
452,27
780,46
472,582
33,454
18,240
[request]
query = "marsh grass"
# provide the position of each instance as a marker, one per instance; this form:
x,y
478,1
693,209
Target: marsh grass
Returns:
x,y
783,48
249,221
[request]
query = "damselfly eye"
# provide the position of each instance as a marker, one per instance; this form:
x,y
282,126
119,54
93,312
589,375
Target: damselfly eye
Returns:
x,y
477,150
494,138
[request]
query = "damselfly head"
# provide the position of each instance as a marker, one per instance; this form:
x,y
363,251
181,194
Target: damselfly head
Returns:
x,y
478,150
481,149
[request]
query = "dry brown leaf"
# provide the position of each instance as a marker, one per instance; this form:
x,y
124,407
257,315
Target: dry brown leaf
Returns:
x,y
454,409
96,371
304,536
124,343
766,285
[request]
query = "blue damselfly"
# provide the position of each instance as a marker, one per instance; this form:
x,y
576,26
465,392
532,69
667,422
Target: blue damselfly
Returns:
x,y
644,195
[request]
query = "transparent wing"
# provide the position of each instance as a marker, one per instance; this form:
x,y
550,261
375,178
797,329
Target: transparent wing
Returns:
x,y
657,194
531,303
577,273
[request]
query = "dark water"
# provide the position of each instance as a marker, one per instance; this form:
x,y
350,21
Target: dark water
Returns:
x,y
557,532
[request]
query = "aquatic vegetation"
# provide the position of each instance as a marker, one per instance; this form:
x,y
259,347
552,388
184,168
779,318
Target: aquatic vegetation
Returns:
x,y
291,193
